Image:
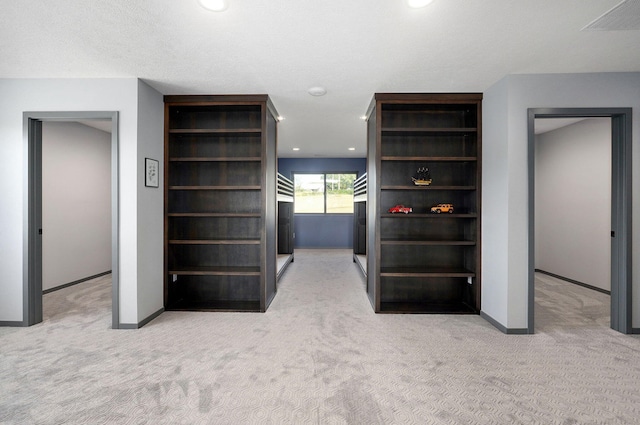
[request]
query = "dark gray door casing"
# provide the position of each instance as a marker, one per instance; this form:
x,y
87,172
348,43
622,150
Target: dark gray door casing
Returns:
x,y
621,143
32,253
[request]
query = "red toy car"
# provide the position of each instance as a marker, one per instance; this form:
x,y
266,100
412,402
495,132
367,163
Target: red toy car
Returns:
x,y
400,209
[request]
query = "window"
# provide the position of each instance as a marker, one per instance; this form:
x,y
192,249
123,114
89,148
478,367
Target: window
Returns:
x,y
323,193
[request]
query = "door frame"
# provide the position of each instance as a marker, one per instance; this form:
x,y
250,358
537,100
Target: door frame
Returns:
x,y
621,200
32,246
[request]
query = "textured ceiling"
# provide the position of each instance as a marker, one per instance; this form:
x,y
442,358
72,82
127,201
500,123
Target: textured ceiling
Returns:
x,y
625,16
353,48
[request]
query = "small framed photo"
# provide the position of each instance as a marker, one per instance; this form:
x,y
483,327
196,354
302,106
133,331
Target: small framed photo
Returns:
x,y
151,170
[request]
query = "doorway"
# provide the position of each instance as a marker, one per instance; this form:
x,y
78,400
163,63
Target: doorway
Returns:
x,y
620,207
33,243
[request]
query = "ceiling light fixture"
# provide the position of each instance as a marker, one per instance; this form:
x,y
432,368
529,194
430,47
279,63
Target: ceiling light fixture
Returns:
x,y
296,149
280,118
352,149
214,5
416,4
317,91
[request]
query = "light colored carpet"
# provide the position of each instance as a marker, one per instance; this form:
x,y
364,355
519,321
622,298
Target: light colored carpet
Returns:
x,y
319,356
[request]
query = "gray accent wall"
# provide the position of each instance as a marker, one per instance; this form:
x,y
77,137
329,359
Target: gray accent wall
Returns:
x,y
76,202
505,225
573,202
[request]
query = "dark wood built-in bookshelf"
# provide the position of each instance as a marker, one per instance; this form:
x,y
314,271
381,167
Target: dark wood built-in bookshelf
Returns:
x,y
423,261
220,202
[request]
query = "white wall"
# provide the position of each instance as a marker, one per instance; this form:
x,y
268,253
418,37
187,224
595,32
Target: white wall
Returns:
x,y
505,217
76,202
150,231
495,189
573,202
20,95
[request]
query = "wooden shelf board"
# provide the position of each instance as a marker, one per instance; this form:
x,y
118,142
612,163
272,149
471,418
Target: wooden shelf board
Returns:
x,y
431,187
423,272
425,242
220,131
214,215
429,215
214,241
216,271
430,158
215,159
426,307
214,188
429,130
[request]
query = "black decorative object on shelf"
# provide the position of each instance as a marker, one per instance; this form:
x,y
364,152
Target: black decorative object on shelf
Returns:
x,y
422,177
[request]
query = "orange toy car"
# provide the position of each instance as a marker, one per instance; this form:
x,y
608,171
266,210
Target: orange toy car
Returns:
x,y
446,208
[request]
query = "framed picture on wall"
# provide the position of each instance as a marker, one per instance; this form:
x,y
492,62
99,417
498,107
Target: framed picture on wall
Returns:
x,y
151,170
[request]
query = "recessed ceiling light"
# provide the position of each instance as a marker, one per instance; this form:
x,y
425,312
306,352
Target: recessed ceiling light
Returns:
x,y
352,149
363,117
296,149
416,4
214,5
279,117
317,91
